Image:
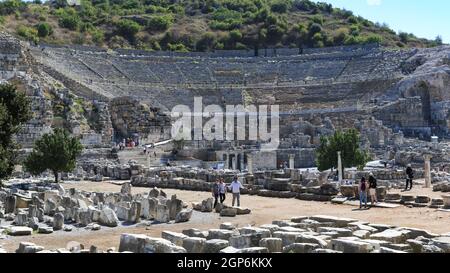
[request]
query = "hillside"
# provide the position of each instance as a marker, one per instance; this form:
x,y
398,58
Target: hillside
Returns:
x,y
196,25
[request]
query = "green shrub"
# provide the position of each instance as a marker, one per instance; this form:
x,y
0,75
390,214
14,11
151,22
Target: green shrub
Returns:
x,y
355,30
240,46
28,33
98,37
235,35
156,45
280,6
44,29
340,36
11,6
352,20
373,38
224,19
352,40
160,22
314,28
404,37
318,40
177,47
207,42
69,21
128,28
317,19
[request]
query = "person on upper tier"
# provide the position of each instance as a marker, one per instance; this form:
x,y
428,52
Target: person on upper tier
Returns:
x,y
409,177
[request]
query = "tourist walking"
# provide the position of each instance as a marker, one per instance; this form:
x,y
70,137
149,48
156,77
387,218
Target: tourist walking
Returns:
x,y
409,177
373,188
215,192
363,193
235,188
222,190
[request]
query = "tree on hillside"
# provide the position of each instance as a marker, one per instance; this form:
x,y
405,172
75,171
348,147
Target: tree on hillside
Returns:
x,y
347,142
56,152
14,111
128,29
438,40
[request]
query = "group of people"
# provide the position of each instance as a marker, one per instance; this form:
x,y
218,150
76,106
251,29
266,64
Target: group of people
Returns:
x,y
127,142
219,191
367,186
370,186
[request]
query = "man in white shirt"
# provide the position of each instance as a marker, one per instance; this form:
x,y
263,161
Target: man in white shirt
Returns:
x,y
235,188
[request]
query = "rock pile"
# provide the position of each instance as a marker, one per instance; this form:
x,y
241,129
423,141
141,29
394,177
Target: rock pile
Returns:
x,y
207,205
53,210
315,234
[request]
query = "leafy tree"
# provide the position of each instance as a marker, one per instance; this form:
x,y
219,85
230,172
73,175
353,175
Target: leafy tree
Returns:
x,y
347,142
438,40
14,111
231,39
44,29
274,34
56,152
301,34
404,37
304,5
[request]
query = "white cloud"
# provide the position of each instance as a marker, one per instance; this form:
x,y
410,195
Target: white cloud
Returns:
x,y
373,2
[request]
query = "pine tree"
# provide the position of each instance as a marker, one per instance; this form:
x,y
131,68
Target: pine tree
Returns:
x,y
56,152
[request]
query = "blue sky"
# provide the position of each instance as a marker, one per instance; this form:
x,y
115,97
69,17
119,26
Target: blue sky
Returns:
x,y
423,18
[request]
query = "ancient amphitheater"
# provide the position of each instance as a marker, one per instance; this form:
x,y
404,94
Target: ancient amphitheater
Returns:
x,y
399,100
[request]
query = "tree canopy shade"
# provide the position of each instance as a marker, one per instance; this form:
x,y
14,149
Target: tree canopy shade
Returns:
x,y
345,141
56,152
14,110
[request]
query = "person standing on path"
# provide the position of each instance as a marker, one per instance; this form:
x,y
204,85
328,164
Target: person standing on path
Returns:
x,y
409,177
215,192
373,189
363,193
235,188
222,190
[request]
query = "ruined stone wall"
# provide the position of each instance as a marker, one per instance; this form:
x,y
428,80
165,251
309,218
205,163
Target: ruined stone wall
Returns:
x,y
265,160
129,116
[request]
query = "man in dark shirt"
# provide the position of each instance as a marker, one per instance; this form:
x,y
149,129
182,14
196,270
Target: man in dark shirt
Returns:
x,y
409,177
215,192
373,189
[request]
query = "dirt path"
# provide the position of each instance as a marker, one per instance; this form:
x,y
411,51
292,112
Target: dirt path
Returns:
x,y
264,211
